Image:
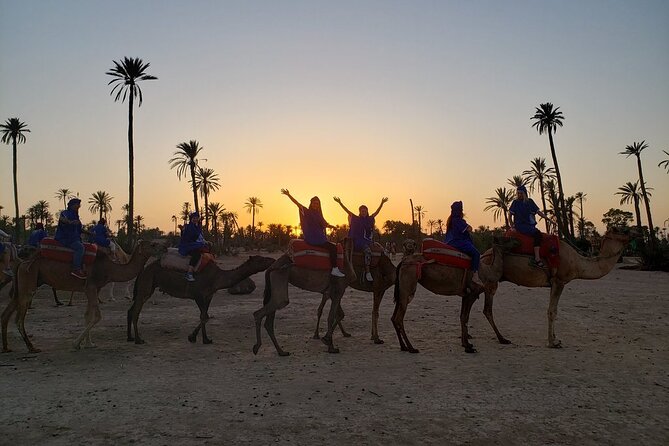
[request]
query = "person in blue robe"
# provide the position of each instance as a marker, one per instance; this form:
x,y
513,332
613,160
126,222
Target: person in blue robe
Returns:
x,y
522,212
68,234
458,234
192,243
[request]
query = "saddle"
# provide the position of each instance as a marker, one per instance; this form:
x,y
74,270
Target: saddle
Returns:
x,y
445,254
549,249
308,256
50,248
359,257
175,261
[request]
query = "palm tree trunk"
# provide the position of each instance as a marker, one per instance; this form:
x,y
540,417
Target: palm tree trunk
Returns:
x,y
206,211
131,175
561,212
638,214
543,203
651,228
253,223
506,218
192,178
17,231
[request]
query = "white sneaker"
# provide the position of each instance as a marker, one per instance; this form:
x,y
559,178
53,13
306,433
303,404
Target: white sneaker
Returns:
x,y
368,277
8,272
337,273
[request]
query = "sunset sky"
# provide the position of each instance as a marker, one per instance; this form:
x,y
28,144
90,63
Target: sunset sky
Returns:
x,y
429,100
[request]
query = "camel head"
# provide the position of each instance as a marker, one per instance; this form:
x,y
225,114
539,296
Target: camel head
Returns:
x,y
620,236
149,248
259,263
409,246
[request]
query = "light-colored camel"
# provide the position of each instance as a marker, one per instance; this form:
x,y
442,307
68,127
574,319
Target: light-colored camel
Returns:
x,y
284,272
172,282
516,268
383,275
39,270
441,279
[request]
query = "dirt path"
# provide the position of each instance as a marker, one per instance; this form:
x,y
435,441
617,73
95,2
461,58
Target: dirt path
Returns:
x,y
608,385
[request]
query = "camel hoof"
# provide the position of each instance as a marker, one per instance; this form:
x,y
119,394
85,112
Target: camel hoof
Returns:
x,y
414,350
37,350
470,349
333,350
345,334
378,341
504,341
139,341
6,350
256,348
558,344
316,336
326,340
192,338
282,353
208,341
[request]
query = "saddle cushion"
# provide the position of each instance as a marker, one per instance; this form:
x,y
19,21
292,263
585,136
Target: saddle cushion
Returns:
x,y
313,257
445,254
51,249
549,249
359,256
175,261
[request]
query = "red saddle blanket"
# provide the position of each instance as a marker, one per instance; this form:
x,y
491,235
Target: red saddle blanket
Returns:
x,y
359,256
313,257
53,250
549,249
173,260
445,254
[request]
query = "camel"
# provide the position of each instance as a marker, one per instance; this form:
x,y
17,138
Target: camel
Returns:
x,y
284,272
515,268
172,282
39,270
441,279
383,276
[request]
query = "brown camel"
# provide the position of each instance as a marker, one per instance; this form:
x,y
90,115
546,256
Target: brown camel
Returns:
x,y
383,276
38,270
172,282
516,268
284,272
440,279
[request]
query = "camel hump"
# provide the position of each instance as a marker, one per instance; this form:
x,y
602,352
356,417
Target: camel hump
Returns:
x,y
445,254
549,249
309,256
52,249
175,261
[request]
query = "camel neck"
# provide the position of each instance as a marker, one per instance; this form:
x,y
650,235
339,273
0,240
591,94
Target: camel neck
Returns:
x,y
229,278
123,272
595,267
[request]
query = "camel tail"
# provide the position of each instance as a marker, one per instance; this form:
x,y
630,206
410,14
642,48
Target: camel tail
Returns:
x,y
396,293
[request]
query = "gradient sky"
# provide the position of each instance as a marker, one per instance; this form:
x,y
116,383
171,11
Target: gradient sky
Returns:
x,y
429,100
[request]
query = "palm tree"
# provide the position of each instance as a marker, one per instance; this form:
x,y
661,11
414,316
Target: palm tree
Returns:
x,y
569,203
630,193
13,132
175,220
215,209
517,180
206,181
664,163
500,204
548,119
138,222
125,76
185,212
42,208
252,205
635,149
100,202
537,175
420,213
440,225
63,194
185,159
431,224
580,196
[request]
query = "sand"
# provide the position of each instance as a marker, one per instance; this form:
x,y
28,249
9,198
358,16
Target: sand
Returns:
x,y
608,385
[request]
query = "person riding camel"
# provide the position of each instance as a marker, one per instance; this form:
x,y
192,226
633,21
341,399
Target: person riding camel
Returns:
x,y
192,244
102,237
37,235
458,235
68,234
313,227
360,230
523,220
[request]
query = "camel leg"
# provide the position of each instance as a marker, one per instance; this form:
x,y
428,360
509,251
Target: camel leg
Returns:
x,y
375,317
269,326
340,317
465,309
319,313
333,320
92,317
556,292
22,309
203,305
55,297
6,314
490,290
133,317
71,301
399,327
394,320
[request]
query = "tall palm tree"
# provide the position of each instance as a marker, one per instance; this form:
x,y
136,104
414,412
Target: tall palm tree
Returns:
x,y
215,209
664,163
13,131
548,119
635,149
440,225
185,212
580,196
63,194
631,193
42,208
185,159
500,204
420,213
537,176
569,202
100,202
206,181
125,77
252,205
518,180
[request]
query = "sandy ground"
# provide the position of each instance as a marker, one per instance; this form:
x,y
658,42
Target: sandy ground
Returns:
x,y
608,385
